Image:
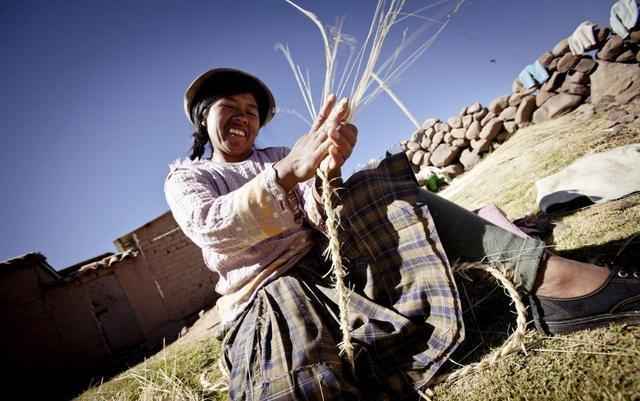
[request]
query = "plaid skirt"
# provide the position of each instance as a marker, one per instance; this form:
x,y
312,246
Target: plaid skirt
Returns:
x,y
404,309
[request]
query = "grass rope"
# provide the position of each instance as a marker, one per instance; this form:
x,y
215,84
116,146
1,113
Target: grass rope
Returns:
x,y
516,340
332,223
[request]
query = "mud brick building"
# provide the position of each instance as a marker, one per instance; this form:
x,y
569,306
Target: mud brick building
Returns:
x,y
60,328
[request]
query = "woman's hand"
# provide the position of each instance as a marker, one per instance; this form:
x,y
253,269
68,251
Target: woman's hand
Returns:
x,y
330,142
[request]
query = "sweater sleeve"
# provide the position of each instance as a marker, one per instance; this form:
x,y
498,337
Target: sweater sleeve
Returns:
x,y
232,222
312,210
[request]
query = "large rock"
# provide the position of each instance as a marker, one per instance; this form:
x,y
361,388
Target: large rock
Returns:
x,y
601,33
577,77
586,65
438,137
455,122
515,99
417,157
557,105
611,49
429,133
474,108
454,170
413,146
508,114
516,85
524,114
429,123
613,79
458,133
479,115
500,103
460,143
469,158
417,136
425,143
574,89
626,57
490,115
492,129
409,153
444,154
473,132
480,145
447,138
543,96
567,61
629,94
510,127
561,48
443,126
467,120
554,82
545,59
527,91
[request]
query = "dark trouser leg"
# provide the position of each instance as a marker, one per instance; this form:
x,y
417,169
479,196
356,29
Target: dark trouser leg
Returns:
x,y
470,238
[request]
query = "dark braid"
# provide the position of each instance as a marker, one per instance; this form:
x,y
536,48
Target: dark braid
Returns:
x,y
201,135
200,141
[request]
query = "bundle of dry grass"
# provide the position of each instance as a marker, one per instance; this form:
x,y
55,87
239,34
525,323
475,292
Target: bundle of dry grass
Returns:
x,y
366,75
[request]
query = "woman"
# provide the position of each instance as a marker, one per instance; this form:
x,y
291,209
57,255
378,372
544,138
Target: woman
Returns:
x,y
255,213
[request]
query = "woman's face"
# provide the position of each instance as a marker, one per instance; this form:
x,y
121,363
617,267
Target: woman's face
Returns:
x,y
233,123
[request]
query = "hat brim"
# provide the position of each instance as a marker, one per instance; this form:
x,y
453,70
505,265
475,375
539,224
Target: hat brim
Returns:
x,y
208,81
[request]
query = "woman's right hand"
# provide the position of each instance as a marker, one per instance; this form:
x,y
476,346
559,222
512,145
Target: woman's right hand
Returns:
x,y
312,148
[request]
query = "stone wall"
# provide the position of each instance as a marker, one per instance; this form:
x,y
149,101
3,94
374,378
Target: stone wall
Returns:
x,y
605,75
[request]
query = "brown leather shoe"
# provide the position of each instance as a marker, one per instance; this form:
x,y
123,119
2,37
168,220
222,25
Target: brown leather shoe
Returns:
x,y
616,301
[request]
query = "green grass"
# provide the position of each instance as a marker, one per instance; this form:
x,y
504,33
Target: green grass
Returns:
x,y
593,365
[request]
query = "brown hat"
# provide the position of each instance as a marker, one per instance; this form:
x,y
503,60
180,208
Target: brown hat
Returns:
x,y
225,79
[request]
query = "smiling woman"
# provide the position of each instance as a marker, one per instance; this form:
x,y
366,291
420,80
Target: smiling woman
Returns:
x,y
256,215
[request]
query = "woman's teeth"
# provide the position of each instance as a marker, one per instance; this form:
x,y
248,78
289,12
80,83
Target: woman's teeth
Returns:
x,y
237,132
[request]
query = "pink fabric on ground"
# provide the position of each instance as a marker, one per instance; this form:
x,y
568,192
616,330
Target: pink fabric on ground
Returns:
x,y
495,215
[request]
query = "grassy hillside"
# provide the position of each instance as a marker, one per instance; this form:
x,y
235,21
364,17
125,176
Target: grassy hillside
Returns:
x,y
595,365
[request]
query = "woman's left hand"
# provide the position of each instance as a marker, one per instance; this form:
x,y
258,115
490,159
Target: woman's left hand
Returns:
x,y
341,142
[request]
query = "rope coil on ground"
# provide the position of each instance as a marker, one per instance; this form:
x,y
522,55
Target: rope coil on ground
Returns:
x,y
513,344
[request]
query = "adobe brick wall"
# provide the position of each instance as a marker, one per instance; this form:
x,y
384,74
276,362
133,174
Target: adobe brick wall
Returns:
x,y
28,333
85,347
141,290
185,283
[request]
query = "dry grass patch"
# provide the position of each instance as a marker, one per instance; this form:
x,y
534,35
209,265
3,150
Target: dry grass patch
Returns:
x,y
591,365
172,374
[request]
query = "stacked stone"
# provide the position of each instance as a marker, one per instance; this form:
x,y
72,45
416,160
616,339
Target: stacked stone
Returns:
x,y
457,144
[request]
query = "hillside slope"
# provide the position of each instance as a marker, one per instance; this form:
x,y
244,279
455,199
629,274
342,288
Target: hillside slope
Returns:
x,y
599,364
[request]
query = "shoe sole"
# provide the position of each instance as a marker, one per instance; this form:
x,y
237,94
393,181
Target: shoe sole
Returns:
x,y
583,323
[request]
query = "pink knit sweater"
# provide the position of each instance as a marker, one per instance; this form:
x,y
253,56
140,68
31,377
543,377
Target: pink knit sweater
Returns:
x,y
249,229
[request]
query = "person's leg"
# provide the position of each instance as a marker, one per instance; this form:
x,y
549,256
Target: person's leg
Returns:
x,y
471,238
565,295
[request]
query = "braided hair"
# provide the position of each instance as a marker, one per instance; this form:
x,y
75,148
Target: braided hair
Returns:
x,y
201,135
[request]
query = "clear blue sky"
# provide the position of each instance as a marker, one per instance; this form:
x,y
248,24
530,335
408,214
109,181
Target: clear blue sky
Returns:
x,y
91,95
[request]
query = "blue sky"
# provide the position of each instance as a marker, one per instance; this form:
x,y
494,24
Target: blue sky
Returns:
x,y
91,95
